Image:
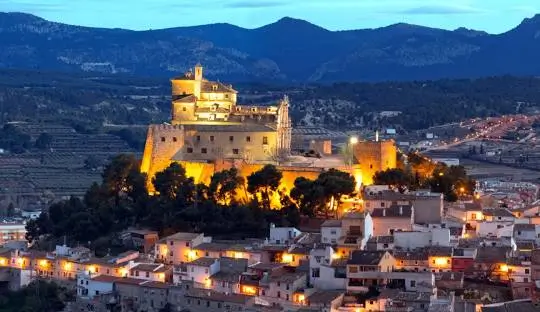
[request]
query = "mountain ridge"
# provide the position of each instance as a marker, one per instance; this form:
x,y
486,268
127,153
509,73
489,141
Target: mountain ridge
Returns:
x,y
289,49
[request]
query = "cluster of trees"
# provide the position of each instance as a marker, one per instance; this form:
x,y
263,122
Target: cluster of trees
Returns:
x,y
180,204
421,172
13,140
38,296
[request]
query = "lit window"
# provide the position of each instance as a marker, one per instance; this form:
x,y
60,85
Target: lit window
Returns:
x,y
265,140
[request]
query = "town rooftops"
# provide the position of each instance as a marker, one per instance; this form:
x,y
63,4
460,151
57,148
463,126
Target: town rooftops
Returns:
x,y
449,276
525,305
498,212
216,296
324,297
203,262
440,251
183,236
416,255
266,266
156,268
285,275
492,254
129,281
382,239
354,215
412,296
394,211
475,206
524,227
331,223
362,257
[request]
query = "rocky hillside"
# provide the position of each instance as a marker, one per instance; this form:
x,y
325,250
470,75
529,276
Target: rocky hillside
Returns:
x,y
289,50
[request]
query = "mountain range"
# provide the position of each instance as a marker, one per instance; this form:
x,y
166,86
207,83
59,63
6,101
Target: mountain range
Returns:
x,y
289,50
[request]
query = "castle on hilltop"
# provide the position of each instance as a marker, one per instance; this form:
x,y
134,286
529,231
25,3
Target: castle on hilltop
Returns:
x,y
209,132
208,126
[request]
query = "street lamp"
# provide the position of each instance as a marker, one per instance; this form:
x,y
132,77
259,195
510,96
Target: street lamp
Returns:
x,y
353,140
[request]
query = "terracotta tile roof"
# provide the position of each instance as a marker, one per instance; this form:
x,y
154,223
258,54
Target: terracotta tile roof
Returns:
x,y
324,297
215,296
216,87
418,255
181,236
497,212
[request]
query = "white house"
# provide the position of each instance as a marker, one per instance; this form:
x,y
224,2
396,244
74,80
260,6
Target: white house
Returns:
x,y
330,231
200,270
327,270
89,286
526,232
283,235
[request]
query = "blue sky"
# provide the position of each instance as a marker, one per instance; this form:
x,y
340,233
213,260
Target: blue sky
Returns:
x,y
494,16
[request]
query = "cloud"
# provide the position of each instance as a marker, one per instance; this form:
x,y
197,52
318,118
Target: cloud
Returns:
x,y
440,10
30,6
253,4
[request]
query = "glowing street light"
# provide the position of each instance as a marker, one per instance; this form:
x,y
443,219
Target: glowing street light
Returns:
x,y
353,140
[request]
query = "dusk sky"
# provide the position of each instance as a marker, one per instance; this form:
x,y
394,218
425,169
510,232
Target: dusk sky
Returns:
x,y
494,16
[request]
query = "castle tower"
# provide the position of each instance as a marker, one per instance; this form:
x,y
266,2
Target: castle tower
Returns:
x,y
284,128
198,72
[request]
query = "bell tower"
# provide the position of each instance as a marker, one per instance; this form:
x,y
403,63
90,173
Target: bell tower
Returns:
x,y
198,72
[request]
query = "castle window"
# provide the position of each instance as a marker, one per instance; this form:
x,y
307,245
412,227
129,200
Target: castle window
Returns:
x,y
162,139
189,150
231,138
248,139
265,140
214,87
254,109
184,109
204,150
226,96
175,139
211,138
235,151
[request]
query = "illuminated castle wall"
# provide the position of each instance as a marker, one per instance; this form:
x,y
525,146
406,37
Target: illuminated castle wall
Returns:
x,y
373,156
210,132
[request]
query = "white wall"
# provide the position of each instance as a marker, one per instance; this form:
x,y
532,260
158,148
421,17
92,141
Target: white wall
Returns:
x,y
368,230
330,235
498,229
412,240
283,235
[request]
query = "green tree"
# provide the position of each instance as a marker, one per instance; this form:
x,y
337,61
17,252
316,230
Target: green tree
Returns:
x,y
170,182
309,196
224,184
264,183
396,178
44,141
120,175
335,184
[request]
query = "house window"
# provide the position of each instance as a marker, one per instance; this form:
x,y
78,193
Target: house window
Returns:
x,y
287,297
211,138
162,139
204,150
189,150
187,244
208,303
316,272
231,138
413,283
198,138
248,139
207,254
265,140
205,271
235,151
527,271
353,269
526,280
147,274
174,139
279,294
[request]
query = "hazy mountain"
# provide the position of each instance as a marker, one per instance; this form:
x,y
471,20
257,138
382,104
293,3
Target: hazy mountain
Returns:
x,y
288,50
